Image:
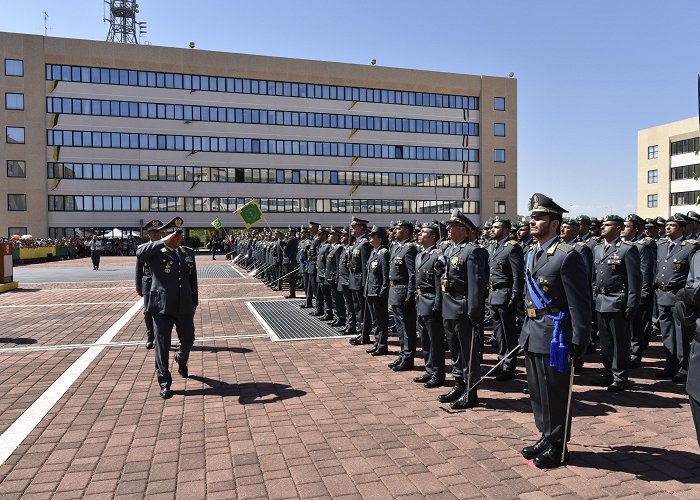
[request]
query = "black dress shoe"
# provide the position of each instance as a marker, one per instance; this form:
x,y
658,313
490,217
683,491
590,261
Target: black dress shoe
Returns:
x,y
467,400
617,386
349,332
454,393
181,367
149,343
433,383
327,317
680,377
505,375
395,362
403,367
166,393
302,306
601,381
531,452
591,348
381,352
290,296
371,350
422,379
315,313
635,363
665,374
550,458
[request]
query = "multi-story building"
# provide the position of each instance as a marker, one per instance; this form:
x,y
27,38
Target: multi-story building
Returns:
x,y
103,135
668,168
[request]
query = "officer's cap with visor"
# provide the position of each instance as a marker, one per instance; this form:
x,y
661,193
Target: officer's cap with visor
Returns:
x,y
174,225
457,218
356,221
378,231
679,218
153,225
544,205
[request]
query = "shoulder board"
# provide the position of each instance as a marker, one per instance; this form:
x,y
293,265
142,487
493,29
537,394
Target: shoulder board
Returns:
x,y
564,247
581,244
647,239
663,240
692,242
630,243
512,242
381,251
435,250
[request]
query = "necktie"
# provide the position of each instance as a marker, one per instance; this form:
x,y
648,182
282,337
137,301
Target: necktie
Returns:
x,y
671,247
538,255
606,248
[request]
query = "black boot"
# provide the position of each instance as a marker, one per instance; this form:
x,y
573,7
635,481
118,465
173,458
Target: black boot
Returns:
x,y
467,400
551,457
455,393
531,452
149,340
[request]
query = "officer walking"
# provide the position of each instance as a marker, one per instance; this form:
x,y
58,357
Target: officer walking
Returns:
x,y
144,280
557,325
173,299
402,293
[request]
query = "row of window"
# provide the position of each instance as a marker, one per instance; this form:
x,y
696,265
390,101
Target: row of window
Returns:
x,y
254,175
76,138
685,172
90,203
685,198
685,146
262,87
132,109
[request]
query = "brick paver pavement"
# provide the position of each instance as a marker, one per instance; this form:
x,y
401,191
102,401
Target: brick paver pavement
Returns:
x,y
309,419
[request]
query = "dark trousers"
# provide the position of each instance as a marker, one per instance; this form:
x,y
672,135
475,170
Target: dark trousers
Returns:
x,y
358,300
676,339
406,328
506,334
641,329
379,318
324,298
95,256
290,271
338,301
432,337
614,334
549,391
310,289
348,299
695,411
163,329
148,321
464,347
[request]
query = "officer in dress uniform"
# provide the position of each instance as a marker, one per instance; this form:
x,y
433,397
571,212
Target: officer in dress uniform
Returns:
x,y
506,280
429,308
402,293
289,261
311,255
304,243
172,300
464,268
361,249
558,305
618,289
522,233
642,321
332,275
344,281
324,301
673,265
144,280
376,291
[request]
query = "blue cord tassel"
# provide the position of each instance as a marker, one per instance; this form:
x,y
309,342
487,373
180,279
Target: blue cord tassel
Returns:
x,y
553,347
563,358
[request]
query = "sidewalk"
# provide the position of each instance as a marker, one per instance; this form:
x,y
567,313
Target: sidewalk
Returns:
x,y
309,419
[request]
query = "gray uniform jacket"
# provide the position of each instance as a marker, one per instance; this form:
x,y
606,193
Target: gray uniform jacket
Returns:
x,y
377,284
672,269
618,277
323,250
344,267
506,272
587,255
291,247
301,254
693,382
561,274
312,255
358,263
402,273
464,281
333,262
647,263
428,291
174,289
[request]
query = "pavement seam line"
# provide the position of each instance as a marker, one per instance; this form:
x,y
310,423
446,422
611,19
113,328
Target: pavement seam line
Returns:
x,y
16,433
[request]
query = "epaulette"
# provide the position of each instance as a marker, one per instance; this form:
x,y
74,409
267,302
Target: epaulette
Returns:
x,y
630,243
435,250
382,250
694,242
564,247
512,242
663,239
580,244
648,239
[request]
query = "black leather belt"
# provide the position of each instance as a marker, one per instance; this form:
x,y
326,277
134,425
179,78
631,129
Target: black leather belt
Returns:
x,y
422,291
395,283
497,286
538,313
454,288
674,287
605,290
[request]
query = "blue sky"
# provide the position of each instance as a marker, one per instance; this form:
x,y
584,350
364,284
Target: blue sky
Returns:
x,y
590,74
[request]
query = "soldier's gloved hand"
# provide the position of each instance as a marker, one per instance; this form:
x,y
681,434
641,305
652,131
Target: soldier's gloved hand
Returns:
x,y
629,313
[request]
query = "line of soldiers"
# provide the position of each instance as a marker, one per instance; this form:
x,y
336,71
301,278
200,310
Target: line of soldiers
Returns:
x,y
550,286
276,257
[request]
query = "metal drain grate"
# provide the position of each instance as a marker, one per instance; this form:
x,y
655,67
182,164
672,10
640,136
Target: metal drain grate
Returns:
x,y
209,271
283,320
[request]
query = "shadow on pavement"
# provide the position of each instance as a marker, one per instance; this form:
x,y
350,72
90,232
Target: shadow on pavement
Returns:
x,y
22,289
209,348
647,463
247,392
6,340
630,398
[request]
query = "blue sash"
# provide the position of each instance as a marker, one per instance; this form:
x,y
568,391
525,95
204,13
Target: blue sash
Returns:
x,y
558,355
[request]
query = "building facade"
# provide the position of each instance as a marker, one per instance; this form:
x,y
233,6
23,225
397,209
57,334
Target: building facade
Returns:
x,y
102,135
668,168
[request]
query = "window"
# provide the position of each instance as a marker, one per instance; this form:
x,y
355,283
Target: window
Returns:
x,y
14,101
11,231
499,181
14,135
499,207
652,200
499,129
16,168
685,146
14,67
499,103
652,176
499,155
17,202
652,152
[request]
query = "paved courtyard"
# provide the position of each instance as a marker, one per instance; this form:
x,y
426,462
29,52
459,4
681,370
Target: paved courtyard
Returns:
x,y
80,415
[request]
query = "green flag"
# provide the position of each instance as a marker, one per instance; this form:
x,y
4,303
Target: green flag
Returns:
x,y
216,223
250,214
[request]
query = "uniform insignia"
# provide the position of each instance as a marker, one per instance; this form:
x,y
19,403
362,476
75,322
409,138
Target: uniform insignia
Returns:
x,y
381,251
581,244
564,247
692,242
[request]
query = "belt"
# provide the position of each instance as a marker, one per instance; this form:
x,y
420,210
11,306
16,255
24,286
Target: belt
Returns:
x,y
497,286
605,290
454,288
674,287
424,290
538,313
395,283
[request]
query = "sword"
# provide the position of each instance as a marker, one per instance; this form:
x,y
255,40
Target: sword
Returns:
x,y
288,274
475,333
515,350
567,426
